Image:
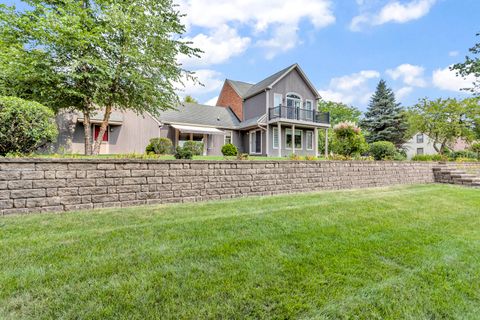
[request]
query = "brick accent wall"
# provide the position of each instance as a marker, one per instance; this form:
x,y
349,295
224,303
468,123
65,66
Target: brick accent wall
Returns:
x,y
28,185
229,98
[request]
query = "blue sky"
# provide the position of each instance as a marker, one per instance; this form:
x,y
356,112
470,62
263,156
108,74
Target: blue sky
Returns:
x,y
344,46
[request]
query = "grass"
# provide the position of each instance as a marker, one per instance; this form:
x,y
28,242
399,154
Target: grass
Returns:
x,y
391,253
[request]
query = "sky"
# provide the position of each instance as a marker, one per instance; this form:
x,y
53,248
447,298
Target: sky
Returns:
x,y
344,46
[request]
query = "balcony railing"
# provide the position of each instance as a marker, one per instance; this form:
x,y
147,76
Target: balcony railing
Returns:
x,y
292,113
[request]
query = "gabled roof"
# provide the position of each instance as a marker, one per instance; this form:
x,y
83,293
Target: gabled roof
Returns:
x,y
198,114
270,81
240,87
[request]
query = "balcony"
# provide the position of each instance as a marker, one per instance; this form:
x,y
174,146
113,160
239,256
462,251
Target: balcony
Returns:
x,y
298,114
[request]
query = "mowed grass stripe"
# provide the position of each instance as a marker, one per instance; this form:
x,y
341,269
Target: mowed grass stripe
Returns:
x,y
408,252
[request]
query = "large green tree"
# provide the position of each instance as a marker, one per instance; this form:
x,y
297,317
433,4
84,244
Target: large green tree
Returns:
x,y
385,119
471,66
445,120
98,55
339,112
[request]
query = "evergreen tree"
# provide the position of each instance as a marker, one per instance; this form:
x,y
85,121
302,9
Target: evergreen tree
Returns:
x,y
385,119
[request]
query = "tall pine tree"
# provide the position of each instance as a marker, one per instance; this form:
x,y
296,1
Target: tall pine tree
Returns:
x,y
385,119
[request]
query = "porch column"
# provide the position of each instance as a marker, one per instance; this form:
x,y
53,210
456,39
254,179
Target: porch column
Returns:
x,y
191,136
315,141
293,139
326,143
177,137
279,140
205,143
267,141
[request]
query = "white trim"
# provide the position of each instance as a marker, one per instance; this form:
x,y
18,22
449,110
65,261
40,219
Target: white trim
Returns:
x,y
301,139
250,141
286,133
306,140
273,138
293,93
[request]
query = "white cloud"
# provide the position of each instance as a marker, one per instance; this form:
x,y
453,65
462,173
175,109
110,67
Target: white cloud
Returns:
x,y
218,47
453,53
265,20
212,101
447,79
411,75
403,92
395,12
211,80
350,89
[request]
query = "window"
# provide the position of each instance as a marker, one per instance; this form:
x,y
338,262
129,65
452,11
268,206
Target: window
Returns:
x,y
420,151
228,137
294,102
97,132
288,138
275,138
308,109
420,138
309,136
256,142
298,139
277,103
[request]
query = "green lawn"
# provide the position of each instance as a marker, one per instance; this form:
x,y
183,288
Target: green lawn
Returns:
x,y
395,253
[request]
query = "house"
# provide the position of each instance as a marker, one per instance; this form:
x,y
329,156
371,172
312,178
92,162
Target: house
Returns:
x,y
275,117
420,144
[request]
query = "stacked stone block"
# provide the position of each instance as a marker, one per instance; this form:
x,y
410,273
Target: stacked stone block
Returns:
x,y
39,185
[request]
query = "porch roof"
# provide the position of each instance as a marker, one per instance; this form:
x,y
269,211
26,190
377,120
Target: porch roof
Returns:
x,y
198,130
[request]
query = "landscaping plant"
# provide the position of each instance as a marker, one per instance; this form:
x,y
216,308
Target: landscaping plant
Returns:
x,y
348,140
25,126
229,150
183,153
159,146
383,150
196,147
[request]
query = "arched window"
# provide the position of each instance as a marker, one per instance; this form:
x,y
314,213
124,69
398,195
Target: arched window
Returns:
x,y
294,103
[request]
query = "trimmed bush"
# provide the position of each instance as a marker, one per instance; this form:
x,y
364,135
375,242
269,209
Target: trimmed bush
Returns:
x,y
465,154
383,150
25,126
159,146
183,153
348,140
196,147
229,150
429,157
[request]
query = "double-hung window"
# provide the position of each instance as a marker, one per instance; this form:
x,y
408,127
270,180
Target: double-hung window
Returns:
x,y
228,137
288,138
420,138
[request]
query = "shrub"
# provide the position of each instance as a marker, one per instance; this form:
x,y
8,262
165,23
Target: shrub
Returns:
x,y
475,147
25,126
229,150
311,158
429,157
463,154
466,160
383,150
159,146
183,153
295,157
196,147
399,156
348,140
242,156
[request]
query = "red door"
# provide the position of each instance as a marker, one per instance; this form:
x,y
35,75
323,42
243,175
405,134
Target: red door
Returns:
x,y
97,132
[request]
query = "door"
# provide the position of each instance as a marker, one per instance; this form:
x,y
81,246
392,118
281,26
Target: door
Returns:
x,y
294,103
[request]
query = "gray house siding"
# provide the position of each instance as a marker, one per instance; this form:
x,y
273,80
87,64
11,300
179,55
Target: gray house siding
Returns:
x,y
254,106
286,152
292,82
132,136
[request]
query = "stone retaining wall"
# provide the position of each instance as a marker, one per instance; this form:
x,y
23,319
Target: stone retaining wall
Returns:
x,y
38,185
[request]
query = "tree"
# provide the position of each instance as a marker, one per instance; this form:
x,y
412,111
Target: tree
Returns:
x,y
385,119
445,120
348,140
471,66
101,55
190,99
25,126
339,112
